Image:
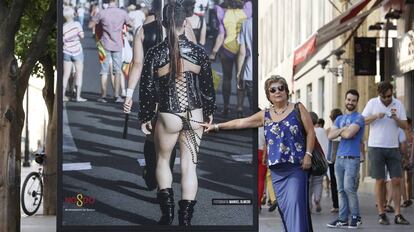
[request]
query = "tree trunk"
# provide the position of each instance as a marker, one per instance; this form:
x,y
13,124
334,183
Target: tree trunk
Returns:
x,y
13,85
50,177
48,89
11,125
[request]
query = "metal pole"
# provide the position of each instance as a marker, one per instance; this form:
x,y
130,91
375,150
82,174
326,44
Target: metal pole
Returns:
x,y
386,54
26,141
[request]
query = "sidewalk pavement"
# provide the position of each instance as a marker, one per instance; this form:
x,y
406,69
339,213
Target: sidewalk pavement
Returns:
x,y
37,222
268,221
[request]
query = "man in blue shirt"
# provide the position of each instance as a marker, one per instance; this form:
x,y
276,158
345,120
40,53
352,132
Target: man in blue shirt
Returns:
x,y
350,127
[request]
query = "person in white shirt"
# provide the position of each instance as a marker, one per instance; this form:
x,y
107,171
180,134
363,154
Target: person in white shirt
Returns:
x,y
386,115
137,16
315,182
200,7
80,11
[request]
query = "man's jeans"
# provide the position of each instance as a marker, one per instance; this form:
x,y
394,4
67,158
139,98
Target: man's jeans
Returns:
x,y
347,178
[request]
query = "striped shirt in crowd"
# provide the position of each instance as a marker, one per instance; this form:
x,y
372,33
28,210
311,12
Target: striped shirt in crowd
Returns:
x,y
72,33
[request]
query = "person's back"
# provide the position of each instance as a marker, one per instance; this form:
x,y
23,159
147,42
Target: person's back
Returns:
x,y
170,97
197,25
246,37
72,33
231,22
152,33
112,20
322,138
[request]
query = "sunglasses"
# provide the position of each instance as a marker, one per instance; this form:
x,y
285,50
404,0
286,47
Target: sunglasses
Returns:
x,y
281,88
387,96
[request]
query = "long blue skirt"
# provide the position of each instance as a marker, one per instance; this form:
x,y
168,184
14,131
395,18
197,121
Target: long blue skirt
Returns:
x,y
291,185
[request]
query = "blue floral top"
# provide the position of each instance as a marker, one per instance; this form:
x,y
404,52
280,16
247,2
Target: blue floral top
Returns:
x,y
285,139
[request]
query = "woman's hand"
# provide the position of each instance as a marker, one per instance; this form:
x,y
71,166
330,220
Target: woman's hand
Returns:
x,y
212,56
307,162
146,128
210,119
127,105
209,127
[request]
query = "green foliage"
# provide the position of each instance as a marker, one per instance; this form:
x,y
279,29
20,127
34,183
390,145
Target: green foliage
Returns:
x,y
30,22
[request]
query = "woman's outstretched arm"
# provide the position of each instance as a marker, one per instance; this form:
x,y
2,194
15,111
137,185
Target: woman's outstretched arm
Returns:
x,y
253,121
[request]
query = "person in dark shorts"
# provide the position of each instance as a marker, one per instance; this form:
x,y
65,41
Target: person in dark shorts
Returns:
x,y
385,114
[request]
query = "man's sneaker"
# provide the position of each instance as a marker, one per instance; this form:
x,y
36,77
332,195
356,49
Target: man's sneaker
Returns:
x,y
337,223
383,219
79,99
102,99
119,99
399,219
355,222
334,210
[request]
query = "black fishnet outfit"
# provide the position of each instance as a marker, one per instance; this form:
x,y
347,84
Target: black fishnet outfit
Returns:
x,y
182,93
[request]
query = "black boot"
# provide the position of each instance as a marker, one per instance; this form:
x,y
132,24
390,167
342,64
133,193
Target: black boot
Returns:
x,y
166,200
186,212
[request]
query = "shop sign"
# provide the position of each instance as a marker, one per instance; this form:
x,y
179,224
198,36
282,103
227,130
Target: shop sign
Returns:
x,y
406,52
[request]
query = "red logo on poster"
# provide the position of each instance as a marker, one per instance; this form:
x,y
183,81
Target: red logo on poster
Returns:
x,y
80,200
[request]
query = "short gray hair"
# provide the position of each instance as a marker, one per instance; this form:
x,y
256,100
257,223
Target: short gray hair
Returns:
x,y
275,79
68,12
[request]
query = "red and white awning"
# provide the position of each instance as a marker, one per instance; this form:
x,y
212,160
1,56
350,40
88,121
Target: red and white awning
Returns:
x,y
341,24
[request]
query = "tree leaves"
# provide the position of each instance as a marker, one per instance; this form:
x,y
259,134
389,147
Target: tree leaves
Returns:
x,y
29,23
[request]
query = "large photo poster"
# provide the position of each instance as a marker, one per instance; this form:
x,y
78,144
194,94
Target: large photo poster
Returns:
x,y
140,79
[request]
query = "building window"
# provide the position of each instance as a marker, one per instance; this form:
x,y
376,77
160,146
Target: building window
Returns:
x,y
321,13
282,21
297,95
289,30
268,25
273,34
321,97
309,97
309,24
297,27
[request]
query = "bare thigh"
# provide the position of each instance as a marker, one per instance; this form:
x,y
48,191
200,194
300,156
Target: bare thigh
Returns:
x,y
169,128
189,141
166,133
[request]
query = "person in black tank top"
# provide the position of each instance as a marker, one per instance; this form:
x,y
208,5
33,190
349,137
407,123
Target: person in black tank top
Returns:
x,y
146,37
152,34
197,22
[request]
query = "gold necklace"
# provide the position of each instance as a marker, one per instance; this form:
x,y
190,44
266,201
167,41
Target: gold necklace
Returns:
x,y
283,111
